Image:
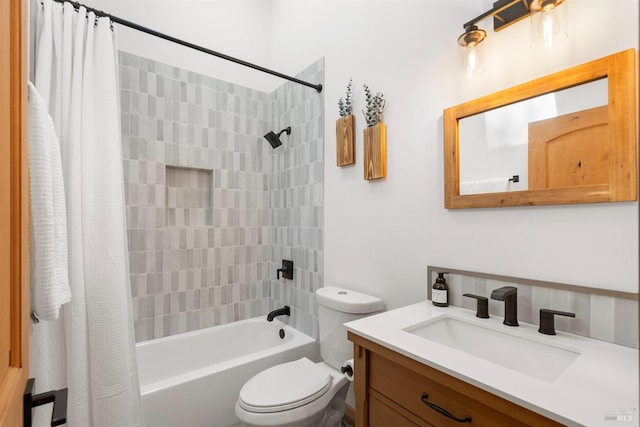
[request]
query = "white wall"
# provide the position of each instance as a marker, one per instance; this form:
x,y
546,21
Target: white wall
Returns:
x,y
380,236
239,28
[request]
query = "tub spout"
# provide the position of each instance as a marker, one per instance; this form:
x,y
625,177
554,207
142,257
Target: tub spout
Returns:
x,y
279,312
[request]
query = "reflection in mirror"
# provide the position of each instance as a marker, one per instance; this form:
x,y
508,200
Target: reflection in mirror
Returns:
x,y
509,141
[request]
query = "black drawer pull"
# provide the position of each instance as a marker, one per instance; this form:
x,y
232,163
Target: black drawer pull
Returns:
x,y
425,396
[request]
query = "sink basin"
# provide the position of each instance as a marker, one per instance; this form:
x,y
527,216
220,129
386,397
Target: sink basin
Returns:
x,y
528,356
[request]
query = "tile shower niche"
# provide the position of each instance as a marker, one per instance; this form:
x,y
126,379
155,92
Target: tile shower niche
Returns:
x,y
188,197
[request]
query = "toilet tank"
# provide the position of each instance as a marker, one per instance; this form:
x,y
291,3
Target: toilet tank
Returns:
x,y
335,307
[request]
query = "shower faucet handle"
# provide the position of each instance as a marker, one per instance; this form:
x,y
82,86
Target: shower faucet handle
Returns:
x,y
286,270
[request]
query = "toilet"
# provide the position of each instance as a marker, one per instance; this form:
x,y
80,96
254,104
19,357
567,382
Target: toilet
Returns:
x,y
304,393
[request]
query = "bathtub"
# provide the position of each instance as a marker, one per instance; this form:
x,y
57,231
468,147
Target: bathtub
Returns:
x,y
193,379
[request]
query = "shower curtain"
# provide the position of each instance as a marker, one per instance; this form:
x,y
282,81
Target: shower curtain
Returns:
x,y
91,349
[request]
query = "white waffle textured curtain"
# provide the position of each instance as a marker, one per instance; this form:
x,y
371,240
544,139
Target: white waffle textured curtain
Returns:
x,y
92,348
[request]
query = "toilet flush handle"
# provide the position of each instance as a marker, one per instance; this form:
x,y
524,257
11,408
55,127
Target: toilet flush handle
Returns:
x,y
347,369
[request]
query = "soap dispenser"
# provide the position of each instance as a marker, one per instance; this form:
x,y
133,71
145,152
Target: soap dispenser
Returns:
x,y
440,291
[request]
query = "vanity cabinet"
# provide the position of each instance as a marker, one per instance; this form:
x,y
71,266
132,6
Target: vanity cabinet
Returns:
x,y
393,390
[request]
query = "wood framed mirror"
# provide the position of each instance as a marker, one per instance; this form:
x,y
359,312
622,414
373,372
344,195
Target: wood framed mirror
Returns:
x,y
569,137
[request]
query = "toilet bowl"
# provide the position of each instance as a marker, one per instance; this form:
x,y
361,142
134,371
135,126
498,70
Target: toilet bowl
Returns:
x,y
303,393
294,394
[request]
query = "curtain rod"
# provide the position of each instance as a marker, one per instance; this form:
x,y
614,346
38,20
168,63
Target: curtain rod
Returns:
x,y
155,33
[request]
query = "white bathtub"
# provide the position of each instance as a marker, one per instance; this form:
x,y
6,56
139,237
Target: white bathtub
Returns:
x,y
193,379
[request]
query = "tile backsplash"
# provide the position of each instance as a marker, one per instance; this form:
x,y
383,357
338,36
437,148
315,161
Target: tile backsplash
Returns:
x,y
611,317
199,188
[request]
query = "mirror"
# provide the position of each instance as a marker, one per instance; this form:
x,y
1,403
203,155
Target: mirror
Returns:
x,y
498,148
569,137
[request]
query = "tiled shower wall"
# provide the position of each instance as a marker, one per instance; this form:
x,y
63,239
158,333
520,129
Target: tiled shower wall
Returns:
x,y
197,180
296,198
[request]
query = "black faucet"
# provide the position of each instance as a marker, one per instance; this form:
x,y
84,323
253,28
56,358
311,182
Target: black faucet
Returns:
x,y
547,323
508,294
284,311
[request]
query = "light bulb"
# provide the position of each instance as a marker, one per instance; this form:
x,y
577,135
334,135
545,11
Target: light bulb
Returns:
x,y
470,55
548,25
472,63
547,29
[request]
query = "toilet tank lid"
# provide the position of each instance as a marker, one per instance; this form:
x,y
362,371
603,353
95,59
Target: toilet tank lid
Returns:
x,y
348,301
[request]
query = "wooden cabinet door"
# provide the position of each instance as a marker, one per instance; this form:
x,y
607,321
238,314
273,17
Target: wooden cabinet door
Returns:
x,y
14,209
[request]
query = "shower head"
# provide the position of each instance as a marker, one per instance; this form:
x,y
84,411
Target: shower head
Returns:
x,y
274,139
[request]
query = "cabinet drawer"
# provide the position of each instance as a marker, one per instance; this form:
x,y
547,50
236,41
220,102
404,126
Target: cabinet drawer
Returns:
x,y
381,415
407,387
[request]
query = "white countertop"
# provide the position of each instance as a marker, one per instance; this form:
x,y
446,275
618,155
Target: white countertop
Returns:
x,y
601,382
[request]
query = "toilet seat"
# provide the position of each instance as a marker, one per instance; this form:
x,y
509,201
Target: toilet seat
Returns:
x,y
284,387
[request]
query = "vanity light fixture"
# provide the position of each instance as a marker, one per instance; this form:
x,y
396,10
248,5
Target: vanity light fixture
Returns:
x,y
471,56
548,23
